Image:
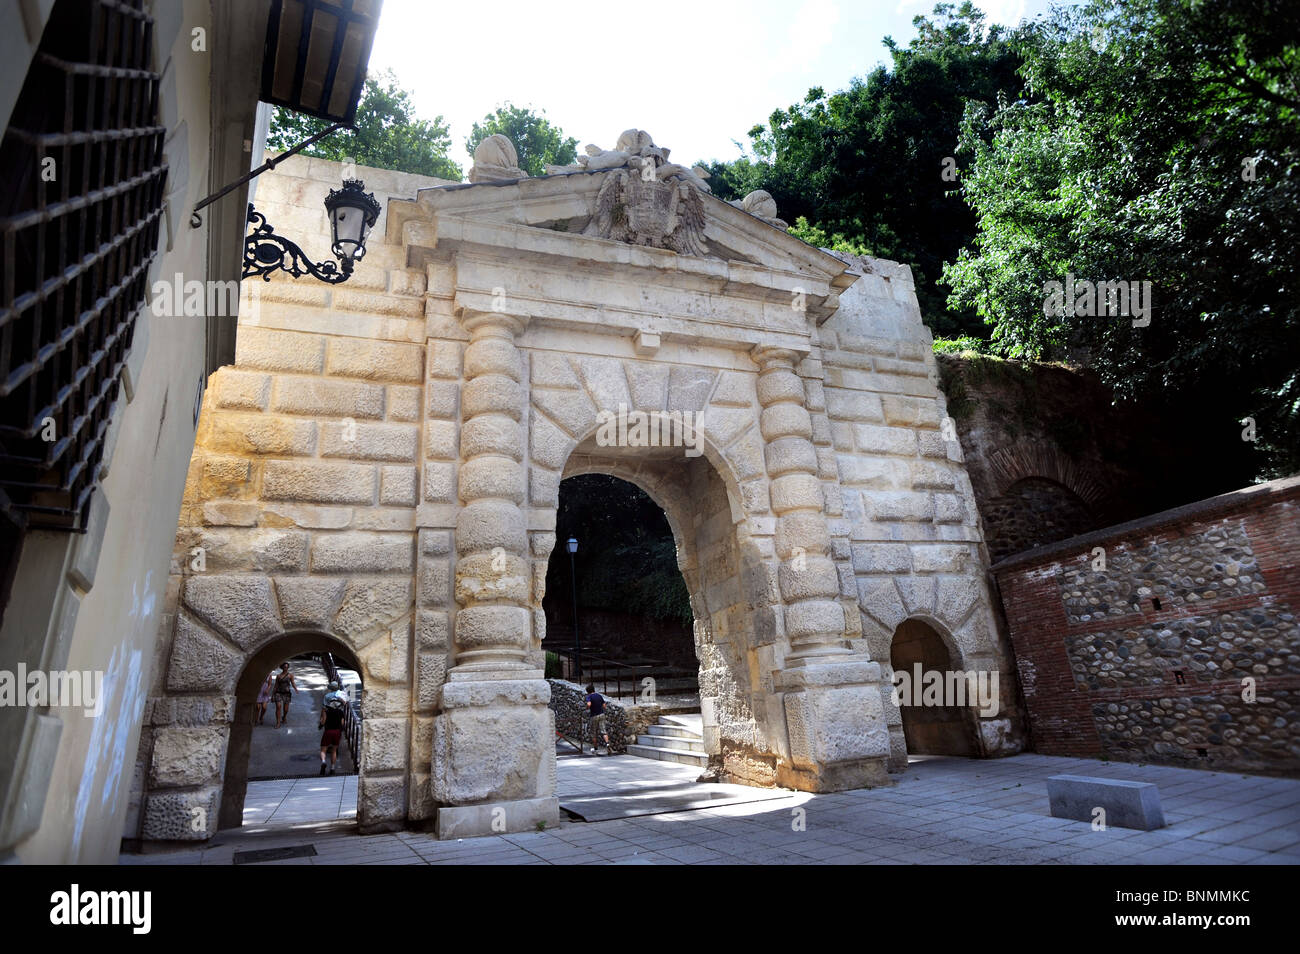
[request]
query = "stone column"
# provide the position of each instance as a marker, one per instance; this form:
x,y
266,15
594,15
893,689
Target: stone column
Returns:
x,y
493,747
810,588
837,737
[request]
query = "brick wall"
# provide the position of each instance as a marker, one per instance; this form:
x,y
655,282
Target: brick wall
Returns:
x,y
1183,648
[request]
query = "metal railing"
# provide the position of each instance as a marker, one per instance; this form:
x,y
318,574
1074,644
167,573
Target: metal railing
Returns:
x,y
600,671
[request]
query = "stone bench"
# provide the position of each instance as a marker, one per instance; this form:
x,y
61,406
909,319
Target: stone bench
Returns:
x,y
1127,804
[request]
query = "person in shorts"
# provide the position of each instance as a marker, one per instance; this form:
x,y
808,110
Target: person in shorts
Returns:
x,y
596,706
332,711
285,687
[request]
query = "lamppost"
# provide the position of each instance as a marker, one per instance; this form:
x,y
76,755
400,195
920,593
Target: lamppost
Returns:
x,y
577,640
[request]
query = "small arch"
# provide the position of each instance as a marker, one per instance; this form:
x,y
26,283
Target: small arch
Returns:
x,y
234,784
1043,459
918,648
1033,512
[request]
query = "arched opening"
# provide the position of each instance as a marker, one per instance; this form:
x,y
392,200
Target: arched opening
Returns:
x,y
623,582
925,676
260,753
720,568
1033,512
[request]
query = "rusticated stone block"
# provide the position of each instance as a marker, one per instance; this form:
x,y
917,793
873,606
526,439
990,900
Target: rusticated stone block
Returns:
x,y
241,608
375,360
363,553
241,390
187,755
272,350
261,434
328,398
317,482
398,486
368,441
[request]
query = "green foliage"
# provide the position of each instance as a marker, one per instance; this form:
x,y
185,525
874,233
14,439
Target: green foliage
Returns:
x,y
627,558
387,134
817,237
867,165
553,668
1128,157
959,345
537,141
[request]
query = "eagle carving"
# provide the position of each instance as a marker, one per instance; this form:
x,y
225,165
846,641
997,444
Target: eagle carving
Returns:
x,y
660,213
645,199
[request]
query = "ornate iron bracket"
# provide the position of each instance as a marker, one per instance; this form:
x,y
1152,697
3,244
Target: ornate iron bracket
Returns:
x,y
265,252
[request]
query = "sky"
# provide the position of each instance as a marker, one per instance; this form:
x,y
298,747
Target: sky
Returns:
x,y
696,76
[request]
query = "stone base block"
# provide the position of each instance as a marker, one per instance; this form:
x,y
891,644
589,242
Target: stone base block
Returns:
x,y
494,752
831,724
497,818
1126,804
835,777
999,738
897,749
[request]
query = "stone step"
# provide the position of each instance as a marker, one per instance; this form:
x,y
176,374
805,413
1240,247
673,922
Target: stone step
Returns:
x,y
674,731
669,755
668,742
690,720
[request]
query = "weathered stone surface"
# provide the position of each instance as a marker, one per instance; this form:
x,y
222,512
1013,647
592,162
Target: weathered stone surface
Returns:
x,y
398,486
318,482
172,816
375,360
308,602
383,747
187,755
279,350
363,553
200,661
242,608
262,434
370,606
240,390
321,398
368,441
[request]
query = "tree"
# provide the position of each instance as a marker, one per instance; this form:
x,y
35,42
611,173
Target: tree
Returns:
x,y
876,165
1157,141
536,139
627,558
387,134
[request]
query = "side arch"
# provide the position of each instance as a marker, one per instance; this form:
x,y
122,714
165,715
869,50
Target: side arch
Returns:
x,y
235,778
1018,461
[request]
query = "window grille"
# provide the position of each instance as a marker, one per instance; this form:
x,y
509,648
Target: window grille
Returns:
x,y
80,211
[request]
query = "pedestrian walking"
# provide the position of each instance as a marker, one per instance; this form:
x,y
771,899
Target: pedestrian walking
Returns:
x,y
263,697
284,689
332,711
596,707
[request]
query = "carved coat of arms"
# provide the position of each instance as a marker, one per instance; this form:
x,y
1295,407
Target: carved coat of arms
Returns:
x,y
660,213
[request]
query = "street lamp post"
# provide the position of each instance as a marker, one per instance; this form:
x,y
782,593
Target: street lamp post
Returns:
x,y
573,579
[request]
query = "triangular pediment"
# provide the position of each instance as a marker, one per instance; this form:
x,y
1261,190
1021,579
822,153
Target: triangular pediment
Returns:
x,y
557,218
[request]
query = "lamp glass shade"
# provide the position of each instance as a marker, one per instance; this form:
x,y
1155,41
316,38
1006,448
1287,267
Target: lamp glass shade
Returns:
x,y
573,544
353,213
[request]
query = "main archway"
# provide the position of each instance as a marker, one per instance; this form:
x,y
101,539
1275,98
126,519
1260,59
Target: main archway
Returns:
x,y
721,567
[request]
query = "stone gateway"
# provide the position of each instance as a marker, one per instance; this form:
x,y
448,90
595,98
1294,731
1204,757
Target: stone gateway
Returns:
x,y
378,473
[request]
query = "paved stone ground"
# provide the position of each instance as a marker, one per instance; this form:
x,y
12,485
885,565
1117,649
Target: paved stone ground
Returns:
x,y
290,801
942,811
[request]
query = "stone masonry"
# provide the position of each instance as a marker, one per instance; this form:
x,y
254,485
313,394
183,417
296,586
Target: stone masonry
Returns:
x,y
378,474
1171,639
